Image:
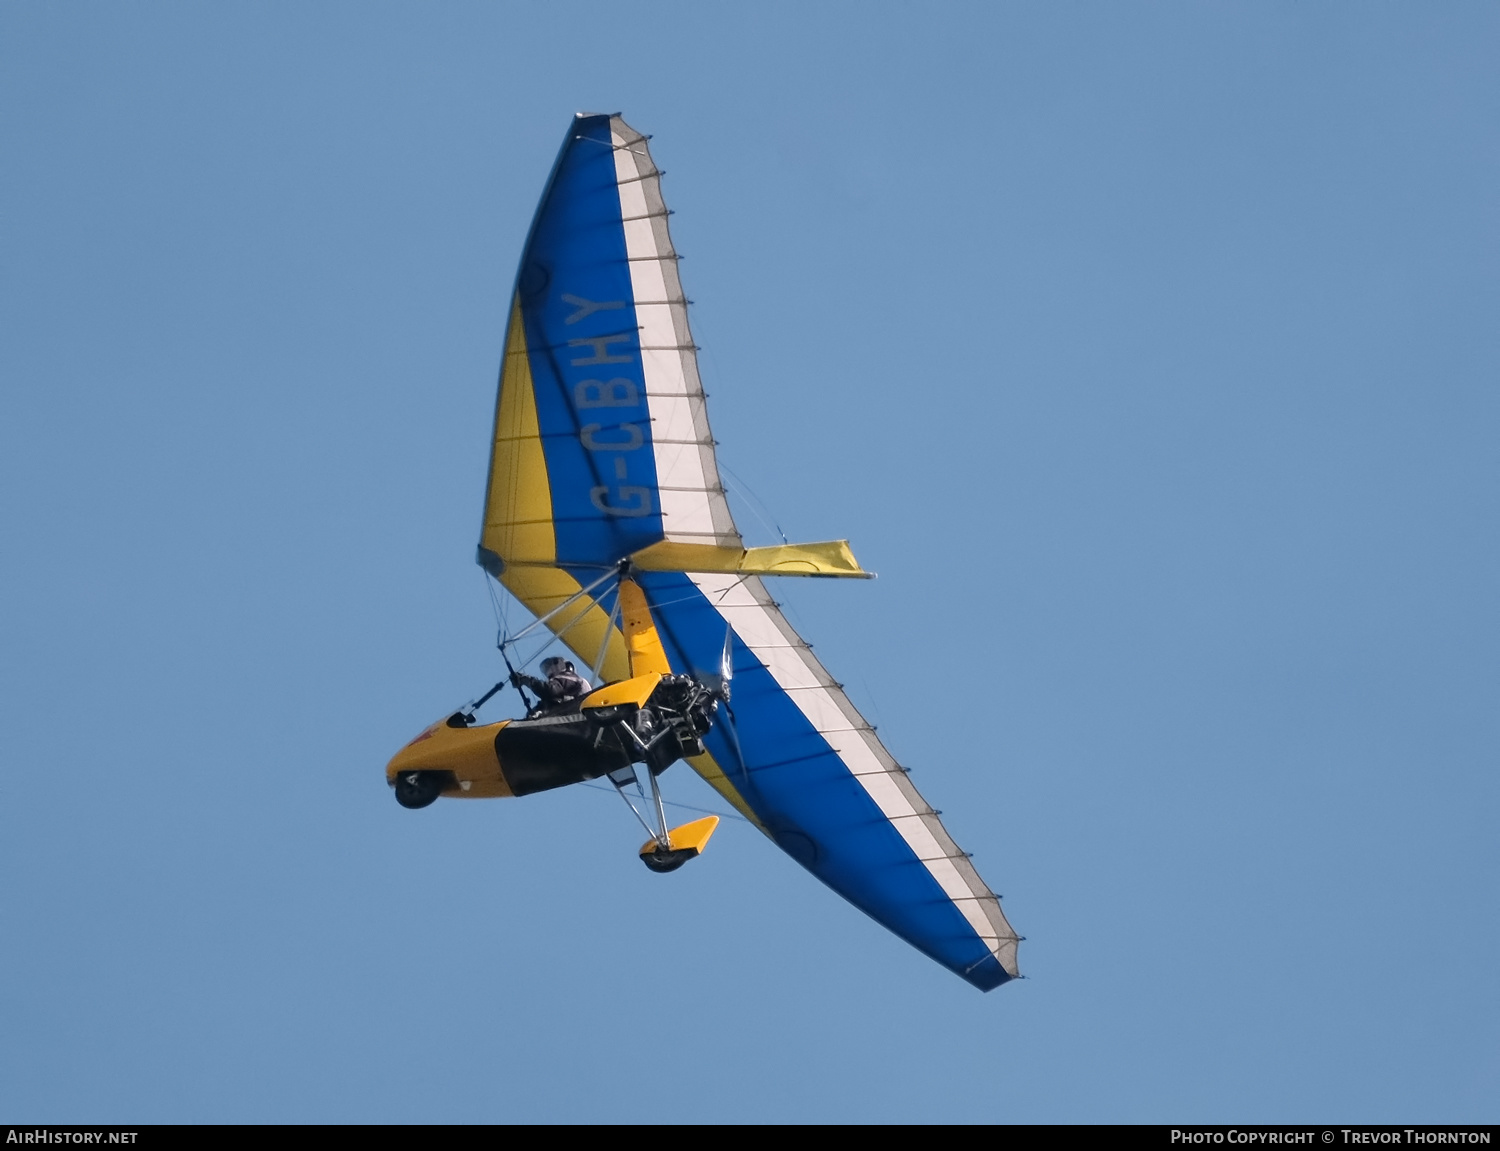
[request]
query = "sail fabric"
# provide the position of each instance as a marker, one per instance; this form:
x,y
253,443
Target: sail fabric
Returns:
x,y
800,760
601,358
602,448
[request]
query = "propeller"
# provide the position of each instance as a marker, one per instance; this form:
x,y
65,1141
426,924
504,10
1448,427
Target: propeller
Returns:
x,y
719,683
732,737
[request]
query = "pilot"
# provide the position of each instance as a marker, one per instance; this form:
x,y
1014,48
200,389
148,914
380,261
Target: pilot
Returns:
x,y
562,687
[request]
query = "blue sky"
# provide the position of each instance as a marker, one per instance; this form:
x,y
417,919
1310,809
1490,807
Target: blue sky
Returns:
x,y
1147,352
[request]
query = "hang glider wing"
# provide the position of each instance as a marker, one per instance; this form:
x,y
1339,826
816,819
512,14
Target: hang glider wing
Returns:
x,y
602,452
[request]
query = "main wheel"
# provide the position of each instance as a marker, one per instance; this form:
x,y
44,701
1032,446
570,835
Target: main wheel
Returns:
x,y
664,859
418,788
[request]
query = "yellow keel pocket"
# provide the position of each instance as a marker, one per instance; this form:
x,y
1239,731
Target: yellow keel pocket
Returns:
x,y
684,843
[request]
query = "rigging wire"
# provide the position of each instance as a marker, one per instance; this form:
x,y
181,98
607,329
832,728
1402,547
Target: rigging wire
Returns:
x,y
556,636
582,593
752,501
498,605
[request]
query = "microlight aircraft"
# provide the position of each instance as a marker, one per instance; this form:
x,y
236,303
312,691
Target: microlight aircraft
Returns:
x,y
605,516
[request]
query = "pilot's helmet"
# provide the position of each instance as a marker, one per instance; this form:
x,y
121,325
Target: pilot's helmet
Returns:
x,y
555,665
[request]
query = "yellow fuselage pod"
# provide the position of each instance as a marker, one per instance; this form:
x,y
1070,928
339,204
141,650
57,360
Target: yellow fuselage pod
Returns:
x,y
520,756
466,753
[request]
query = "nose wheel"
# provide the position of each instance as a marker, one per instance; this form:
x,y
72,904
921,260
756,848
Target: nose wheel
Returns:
x,y
416,789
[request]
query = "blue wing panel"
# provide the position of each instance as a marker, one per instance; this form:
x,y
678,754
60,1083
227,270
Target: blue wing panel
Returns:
x,y
578,307
805,795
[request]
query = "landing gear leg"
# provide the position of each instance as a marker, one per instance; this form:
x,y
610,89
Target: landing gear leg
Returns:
x,y
663,837
668,848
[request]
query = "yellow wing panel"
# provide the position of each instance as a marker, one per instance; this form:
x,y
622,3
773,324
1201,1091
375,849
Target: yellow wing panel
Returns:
x,y
518,507
708,767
